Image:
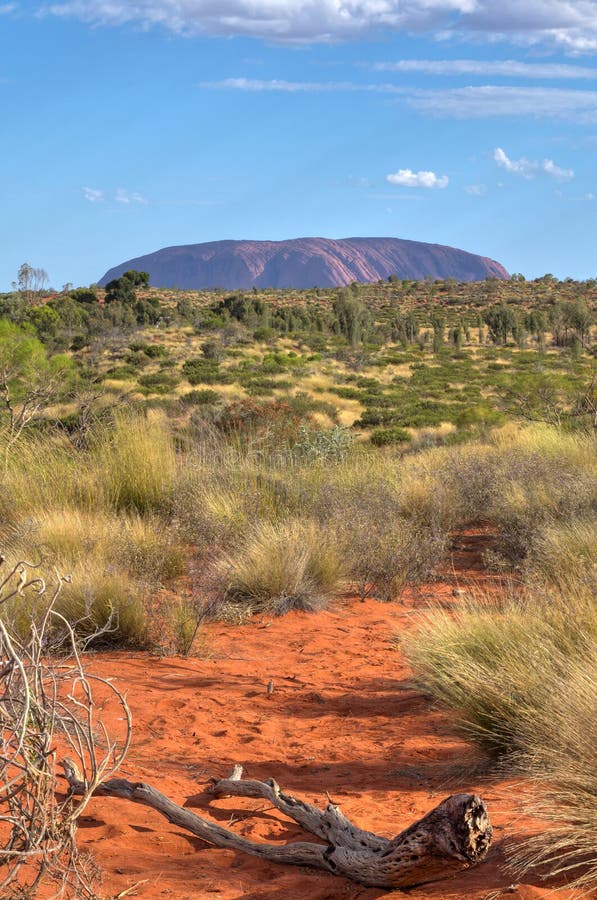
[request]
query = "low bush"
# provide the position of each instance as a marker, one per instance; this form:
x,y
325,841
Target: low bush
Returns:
x,y
200,398
158,383
203,371
385,547
381,437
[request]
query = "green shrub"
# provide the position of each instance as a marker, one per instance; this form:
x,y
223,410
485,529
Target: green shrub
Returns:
x,y
121,373
202,371
155,351
381,437
200,398
158,383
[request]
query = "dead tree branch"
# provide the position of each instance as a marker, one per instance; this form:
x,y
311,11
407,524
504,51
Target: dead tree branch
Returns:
x,y
453,836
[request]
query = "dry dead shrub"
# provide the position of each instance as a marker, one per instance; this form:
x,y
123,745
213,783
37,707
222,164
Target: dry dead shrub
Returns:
x,y
48,707
389,538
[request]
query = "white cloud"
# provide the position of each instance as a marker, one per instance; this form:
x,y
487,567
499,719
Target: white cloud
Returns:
x,y
509,68
477,190
485,101
528,168
92,194
408,178
258,85
549,167
6,8
569,24
128,197
522,166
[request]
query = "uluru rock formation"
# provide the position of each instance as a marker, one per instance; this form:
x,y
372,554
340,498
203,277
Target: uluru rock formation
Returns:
x,y
305,263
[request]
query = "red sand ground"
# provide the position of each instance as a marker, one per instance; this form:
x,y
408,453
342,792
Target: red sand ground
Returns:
x,y
343,719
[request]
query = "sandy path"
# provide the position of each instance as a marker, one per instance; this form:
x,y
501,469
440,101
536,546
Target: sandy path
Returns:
x,y
342,719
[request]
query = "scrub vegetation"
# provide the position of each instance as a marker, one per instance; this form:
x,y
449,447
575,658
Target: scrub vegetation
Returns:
x,y
180,455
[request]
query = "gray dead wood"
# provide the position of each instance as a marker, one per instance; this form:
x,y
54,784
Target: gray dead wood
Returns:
x,y
453,836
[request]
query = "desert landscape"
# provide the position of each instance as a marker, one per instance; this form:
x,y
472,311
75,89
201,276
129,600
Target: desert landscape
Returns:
x,y
298,469
344,539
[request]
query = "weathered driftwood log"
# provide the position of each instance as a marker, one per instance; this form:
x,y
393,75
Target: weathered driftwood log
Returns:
x,y
453,836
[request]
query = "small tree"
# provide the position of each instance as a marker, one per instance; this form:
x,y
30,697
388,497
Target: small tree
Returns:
x,y
29,381
31,281
500,320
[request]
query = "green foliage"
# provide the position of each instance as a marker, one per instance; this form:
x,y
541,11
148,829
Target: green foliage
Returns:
x,y
501,321
83,295
122,290
202,371
29,380
381,437
200,398
158,382
353,317
45,320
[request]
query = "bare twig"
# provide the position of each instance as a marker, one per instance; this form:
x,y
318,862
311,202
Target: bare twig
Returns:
x,y
47,705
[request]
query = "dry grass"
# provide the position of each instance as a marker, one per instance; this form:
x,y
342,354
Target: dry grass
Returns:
x,y
136,462
521,675
558,756
564,552
281,566
493,660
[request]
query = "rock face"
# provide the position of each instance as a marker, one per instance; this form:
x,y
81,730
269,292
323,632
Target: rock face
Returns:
x,y
305,263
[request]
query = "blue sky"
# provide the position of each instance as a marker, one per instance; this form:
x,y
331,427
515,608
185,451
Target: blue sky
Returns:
x,y
131,126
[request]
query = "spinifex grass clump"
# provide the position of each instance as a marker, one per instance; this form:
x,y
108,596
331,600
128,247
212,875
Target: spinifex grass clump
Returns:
x,y
521,675
540,476
493,660
281,566
558,756
563,553
136,462
114,562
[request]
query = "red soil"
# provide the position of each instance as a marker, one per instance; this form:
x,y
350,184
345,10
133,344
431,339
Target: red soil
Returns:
x,y
343,719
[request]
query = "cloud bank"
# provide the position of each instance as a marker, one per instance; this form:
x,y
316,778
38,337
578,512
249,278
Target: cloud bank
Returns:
x,y
568,24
